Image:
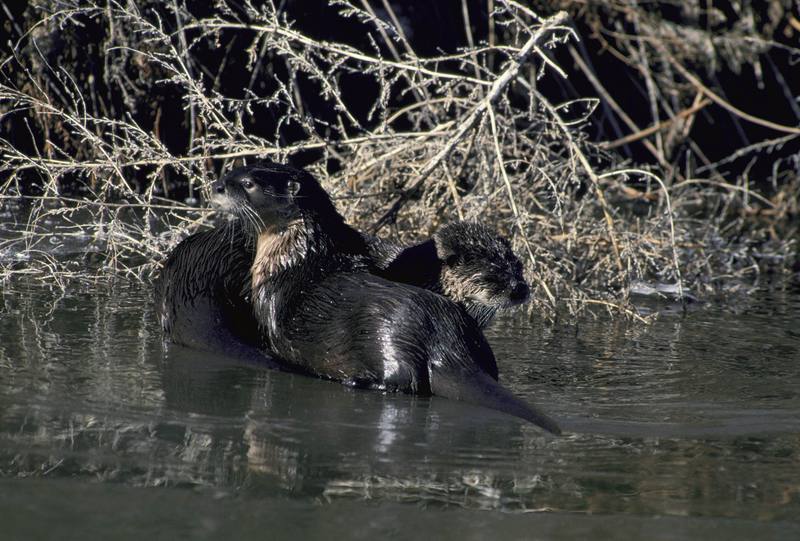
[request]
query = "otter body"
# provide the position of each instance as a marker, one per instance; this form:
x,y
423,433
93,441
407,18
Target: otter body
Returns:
x,y
202,294
465,261
323,313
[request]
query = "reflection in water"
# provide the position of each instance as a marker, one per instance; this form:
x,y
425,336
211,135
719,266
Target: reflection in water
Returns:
x,y
691,416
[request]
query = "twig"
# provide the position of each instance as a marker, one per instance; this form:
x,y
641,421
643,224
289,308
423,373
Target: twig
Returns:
x,y
657,127
471,120
669,215
726,105
618,307
600,89
575,149
512,202
88,202
725,185
747,150
345,51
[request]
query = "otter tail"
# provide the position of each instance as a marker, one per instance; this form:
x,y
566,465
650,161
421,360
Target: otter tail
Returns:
x,y
479,388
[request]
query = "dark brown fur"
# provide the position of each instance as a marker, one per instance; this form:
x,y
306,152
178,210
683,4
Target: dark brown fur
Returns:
x,y
202,294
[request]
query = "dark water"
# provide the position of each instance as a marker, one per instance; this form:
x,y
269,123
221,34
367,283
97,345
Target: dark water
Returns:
x,y
689,428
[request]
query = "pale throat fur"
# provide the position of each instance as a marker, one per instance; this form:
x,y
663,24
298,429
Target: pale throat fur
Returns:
x,y
463,289
276,250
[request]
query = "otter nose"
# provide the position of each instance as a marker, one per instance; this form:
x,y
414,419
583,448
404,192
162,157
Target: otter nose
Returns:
x,y
219,187
520,292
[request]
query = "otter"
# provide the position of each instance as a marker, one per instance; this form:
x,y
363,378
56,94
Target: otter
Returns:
x,y
323,313
464,261
202,292
202,295
203,289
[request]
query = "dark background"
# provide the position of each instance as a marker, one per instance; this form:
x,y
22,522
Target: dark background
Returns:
x,y
432,28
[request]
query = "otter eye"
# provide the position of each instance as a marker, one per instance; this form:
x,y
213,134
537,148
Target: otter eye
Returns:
x,y
452,260
248,184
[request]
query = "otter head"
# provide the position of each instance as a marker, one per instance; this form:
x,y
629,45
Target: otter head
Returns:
x,y
265,197
284,211
479,268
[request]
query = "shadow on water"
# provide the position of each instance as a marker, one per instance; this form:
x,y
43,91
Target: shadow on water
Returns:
x,y
690,417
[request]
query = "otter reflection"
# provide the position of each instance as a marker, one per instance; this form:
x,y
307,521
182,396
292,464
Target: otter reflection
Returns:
x,y
302,435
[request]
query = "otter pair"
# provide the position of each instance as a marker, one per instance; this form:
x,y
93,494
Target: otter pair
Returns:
x,y
317,301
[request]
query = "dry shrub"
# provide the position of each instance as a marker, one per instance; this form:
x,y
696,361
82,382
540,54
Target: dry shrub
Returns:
x,y
468,135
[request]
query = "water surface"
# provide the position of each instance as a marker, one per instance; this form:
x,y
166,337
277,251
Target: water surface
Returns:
x,y
689,427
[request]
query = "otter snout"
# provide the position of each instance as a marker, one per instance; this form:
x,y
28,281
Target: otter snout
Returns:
x,y
519,292
220,199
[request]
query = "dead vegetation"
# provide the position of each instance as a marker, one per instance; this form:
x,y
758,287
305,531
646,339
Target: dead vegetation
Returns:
x,y
477,134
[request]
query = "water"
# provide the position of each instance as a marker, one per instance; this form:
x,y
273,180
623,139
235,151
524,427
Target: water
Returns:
x,y
687,428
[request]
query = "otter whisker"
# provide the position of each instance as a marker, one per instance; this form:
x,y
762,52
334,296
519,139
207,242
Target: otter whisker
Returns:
x,y
256,221
230,226
247,221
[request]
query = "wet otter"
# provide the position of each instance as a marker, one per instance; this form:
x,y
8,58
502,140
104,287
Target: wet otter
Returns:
x,y
321,311
202,294
203,289
465,261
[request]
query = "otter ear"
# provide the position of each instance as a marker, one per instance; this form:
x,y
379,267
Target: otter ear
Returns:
x,y
292,188
444,251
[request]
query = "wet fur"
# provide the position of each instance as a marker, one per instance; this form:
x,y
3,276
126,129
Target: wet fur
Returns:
x,y
465,261
202,294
